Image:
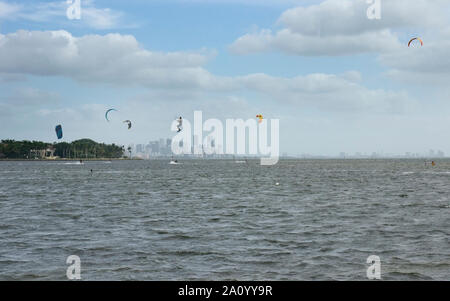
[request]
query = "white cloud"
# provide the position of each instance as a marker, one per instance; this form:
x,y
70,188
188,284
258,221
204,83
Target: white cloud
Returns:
x,y
241,2
341,27
120,60
101,18
349,17
55,12
21,103
28,96
328,92
6,9
430,63
112,58
11,77
293,43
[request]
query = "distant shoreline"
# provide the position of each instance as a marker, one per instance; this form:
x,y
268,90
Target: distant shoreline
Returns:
x,y
74,159
221,159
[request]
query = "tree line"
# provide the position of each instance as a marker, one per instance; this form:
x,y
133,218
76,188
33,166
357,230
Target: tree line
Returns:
x,y
84,148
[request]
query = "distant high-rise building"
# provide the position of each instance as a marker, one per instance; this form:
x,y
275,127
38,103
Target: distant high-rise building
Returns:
x,y
169,146
162,146
154,146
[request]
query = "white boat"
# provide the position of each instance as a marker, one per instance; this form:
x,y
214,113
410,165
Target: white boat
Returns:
x,y
173,161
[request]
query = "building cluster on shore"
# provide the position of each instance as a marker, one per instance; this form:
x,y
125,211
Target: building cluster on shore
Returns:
x,y
162,148
158,148
407,155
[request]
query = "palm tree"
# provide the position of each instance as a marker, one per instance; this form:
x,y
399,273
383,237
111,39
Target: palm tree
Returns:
x,y
129,150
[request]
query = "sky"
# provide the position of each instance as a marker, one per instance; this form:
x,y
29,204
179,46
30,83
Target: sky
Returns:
x,y
337,80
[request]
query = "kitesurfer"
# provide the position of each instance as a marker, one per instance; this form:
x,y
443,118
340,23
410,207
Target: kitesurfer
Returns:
x,y
129,123
179,125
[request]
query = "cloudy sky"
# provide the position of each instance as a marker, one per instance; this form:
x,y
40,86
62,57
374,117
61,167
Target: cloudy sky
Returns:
x,y
337,80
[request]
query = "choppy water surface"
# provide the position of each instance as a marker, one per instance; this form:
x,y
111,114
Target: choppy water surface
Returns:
x,y
218,220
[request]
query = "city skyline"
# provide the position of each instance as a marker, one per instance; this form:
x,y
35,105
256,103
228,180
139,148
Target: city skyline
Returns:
x,y
153,149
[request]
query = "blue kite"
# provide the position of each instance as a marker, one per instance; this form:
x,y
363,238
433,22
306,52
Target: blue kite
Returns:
x,y
59,131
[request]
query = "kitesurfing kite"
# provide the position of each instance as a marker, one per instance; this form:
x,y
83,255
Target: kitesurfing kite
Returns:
x,y
413,39
180,124
107,112
260,118
59,132
129,123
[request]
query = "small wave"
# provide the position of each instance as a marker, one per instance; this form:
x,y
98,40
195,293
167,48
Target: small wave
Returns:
x,y
186,253
409,275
